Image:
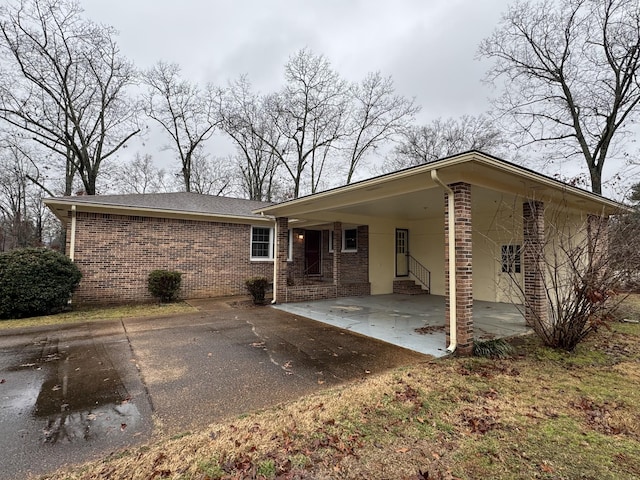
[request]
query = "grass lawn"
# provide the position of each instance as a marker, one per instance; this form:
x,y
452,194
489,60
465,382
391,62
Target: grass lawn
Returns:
x,y
540,414
100,313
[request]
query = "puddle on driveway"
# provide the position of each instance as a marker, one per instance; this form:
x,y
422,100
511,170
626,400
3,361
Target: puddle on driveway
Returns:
x,y
82,396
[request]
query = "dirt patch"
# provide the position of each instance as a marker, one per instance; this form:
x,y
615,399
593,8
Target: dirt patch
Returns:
x,y
245,304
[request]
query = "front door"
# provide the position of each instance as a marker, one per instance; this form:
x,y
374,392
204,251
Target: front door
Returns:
x,y
402,252
312,252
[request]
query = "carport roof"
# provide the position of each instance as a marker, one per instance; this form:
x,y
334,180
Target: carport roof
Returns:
x,y
176,204
397,193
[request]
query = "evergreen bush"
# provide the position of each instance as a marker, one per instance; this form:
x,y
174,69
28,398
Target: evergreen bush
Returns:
x,y
35,281
165,284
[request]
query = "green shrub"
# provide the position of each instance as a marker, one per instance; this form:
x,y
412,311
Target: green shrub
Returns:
x,y
257,287
497,348
165,284
35,281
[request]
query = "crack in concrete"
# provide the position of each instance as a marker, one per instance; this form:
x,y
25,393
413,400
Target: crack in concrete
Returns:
x,y
286,366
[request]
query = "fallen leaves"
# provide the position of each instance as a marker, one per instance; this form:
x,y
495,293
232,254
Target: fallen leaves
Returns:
x,y
429,329
478,423
599,416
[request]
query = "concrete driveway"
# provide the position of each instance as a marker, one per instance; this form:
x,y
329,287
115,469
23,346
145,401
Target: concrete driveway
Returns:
x,y
416,322
69,394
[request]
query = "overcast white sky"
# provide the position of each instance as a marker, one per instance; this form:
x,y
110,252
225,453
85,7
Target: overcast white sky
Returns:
x,y
428,46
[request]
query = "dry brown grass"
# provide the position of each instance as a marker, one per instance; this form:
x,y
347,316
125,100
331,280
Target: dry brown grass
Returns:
x,y
541,414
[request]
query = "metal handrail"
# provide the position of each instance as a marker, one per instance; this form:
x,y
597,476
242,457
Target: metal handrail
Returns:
x,y
420,272
305,272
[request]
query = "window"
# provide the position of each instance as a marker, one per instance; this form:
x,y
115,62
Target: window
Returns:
x,y
349,240
261,243
511,259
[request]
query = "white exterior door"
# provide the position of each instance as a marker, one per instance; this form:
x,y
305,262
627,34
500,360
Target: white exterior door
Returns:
x,y
402,252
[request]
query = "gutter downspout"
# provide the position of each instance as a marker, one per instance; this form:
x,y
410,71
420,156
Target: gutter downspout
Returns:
x,y
72,241
453,314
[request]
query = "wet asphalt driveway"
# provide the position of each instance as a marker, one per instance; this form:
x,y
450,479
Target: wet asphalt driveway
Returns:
x,y
72,393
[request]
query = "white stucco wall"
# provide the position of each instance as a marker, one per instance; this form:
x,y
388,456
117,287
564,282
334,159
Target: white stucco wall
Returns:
x,y
498,222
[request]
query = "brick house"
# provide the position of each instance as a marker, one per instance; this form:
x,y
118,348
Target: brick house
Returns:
x,y
377,236
116,240
216,242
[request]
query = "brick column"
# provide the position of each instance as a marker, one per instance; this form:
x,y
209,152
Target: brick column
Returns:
x,y
535,299
463,255
280,260
337,255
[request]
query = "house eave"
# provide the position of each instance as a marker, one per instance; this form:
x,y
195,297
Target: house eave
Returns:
x,y
473,167
62,207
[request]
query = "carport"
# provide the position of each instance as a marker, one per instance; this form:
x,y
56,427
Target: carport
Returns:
x,y
415,322
468,228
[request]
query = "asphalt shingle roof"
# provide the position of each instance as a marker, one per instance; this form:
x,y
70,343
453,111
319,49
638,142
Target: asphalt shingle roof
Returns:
x,y
177,201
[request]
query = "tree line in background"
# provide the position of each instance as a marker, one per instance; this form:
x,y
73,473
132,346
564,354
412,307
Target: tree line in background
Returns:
x,y
70,103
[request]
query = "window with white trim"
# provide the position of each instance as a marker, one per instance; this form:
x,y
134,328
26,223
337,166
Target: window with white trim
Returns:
x,y
511,262
261,243
349,240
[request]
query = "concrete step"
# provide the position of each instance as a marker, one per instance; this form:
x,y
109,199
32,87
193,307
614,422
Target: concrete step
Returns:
x,y
408,287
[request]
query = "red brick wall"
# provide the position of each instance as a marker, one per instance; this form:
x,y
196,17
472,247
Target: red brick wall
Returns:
x,y
282,272
354,271
116,253
533,262
354,266
463,258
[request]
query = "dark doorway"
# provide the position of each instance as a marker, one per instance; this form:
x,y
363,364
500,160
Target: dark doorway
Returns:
x,y
312,252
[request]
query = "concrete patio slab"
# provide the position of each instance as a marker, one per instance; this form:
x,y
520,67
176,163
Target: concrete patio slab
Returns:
x,y
396,319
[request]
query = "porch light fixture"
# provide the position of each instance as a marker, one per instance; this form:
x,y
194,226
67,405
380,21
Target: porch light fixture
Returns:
x,y
301,236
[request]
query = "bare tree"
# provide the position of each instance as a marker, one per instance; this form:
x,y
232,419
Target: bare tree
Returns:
x,y
377,116
16,227
244,119
308,115
140,175
64,83
210,176
185,112
442,138
577,261
311,126
570,74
